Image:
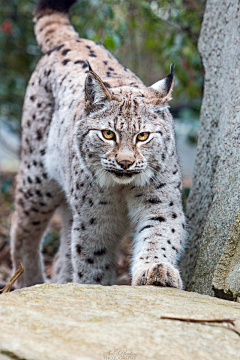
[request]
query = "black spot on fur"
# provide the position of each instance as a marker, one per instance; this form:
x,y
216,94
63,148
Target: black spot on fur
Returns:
x,y
171,203
38,180
159,218
65,61
169,241
103,202
49,195
173,230
154,200
88,47
105,62
110,69
59,47
90,202
108,74
98,279
183,226
174,172
106,85
29,180
64,52
78,249
36,222
38,192
39,135
84,65
82,227
163,157
35,210
80,274
21,202
42,152
92,55
92,220
174,215
79,62
160,185
90,261
45,175
100,252
146,227
32,98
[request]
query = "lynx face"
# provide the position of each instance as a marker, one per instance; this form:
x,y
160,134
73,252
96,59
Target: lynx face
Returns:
x,y
124,138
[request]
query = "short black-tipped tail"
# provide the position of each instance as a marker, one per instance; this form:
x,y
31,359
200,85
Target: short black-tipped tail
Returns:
x,y
56,5
52,26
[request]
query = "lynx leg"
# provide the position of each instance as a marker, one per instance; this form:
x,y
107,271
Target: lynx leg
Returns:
x,y
99,223
62,271
35,202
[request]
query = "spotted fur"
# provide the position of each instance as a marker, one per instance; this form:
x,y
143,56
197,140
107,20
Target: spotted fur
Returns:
x,y
102,185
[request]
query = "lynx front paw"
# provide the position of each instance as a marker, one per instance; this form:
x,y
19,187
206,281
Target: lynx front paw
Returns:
x,y
162,274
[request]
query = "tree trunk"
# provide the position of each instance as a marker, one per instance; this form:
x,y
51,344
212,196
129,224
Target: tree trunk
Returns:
x,y
211,263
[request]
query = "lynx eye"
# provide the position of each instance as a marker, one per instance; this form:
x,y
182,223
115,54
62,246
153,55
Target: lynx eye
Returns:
x,y
143,136
108,134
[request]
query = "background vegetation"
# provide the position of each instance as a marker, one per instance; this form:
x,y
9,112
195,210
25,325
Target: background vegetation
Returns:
x,y
146,36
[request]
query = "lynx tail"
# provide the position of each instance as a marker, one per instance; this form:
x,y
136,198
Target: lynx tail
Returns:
x,y
52,26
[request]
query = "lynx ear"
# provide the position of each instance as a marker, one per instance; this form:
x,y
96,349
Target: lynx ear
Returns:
x,y
95,91
165,86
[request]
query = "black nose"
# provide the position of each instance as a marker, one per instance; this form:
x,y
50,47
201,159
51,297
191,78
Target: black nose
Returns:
x,y
125,164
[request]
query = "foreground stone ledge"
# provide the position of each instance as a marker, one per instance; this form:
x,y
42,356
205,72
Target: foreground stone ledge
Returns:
x,y
82,322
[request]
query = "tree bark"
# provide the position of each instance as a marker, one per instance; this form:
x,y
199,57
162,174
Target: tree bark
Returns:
x,y
211,263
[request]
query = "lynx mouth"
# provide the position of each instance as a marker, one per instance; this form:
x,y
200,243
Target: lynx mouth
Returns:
x,y
121,174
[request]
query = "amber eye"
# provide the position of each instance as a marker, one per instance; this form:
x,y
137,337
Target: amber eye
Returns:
x,y
108,134
143,136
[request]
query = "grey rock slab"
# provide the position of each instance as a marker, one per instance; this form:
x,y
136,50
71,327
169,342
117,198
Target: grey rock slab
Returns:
x,y
214,200
83,322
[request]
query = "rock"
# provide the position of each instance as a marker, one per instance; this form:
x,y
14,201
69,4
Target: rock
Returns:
x,y
211,264
83,322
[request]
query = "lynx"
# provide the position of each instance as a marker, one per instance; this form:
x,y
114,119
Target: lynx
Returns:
x,y
99,144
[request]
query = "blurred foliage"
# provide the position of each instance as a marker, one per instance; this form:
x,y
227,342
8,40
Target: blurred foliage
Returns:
x,y
51,242
145,36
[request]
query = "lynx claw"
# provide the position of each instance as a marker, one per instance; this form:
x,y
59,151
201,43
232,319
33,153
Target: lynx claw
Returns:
x,y
162,274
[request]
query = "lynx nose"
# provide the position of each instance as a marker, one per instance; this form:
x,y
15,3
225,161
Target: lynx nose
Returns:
x,y
125,164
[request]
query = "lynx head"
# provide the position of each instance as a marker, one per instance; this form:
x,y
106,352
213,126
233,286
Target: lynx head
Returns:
x,y
126,134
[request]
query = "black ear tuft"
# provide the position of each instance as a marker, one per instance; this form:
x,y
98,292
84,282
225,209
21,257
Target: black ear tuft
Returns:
x,y
169,78
89,66
57,5
172,66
